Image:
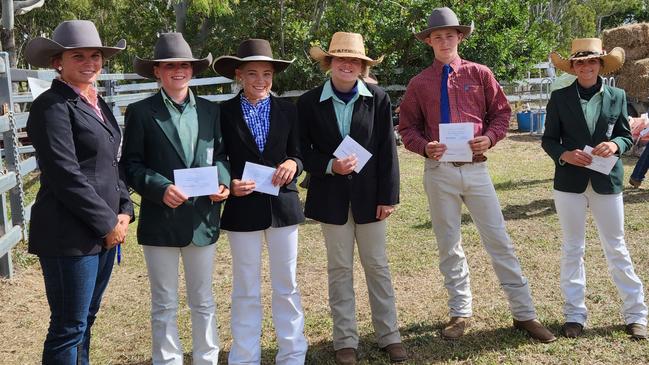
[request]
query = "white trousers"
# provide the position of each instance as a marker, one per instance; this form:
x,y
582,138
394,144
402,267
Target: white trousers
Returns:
x,y
608,213
288,317
447,187
370,239
162,266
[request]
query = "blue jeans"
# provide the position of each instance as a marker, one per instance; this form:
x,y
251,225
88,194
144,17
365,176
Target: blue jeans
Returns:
x,y
640,169
74,286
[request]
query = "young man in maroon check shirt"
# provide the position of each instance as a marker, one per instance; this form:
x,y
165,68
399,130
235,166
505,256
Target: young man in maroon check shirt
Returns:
x,y
474,96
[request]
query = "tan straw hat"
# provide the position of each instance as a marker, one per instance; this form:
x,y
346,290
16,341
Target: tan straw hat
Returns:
x,y
344,44
586,48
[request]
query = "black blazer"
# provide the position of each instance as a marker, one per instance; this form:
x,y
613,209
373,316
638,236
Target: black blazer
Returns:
x,y
329,196
151,152
81,191
566,130
258,211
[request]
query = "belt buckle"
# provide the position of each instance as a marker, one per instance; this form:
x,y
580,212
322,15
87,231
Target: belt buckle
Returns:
x,y
458,164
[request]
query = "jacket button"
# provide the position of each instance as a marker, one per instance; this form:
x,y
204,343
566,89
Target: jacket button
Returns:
x,y
114,162
111,139
117,188
349,177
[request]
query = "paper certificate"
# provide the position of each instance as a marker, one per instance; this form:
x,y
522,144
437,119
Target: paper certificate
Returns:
x,y
601,164
350,147
262,176
456,137
197,181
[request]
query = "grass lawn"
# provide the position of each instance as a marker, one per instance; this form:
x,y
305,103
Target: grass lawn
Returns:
x,y
522,174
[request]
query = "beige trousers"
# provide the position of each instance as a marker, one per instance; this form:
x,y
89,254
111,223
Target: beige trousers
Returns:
x,y
447,187
370,239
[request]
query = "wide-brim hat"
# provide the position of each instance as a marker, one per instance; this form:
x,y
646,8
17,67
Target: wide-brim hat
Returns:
x,y
344,44
250,50
586,48
442,18
69,35
170,47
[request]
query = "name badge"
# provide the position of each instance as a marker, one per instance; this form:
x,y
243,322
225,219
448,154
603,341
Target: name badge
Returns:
x,y
210,156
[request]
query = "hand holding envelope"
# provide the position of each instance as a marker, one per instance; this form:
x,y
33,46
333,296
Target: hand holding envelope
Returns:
x,y
351,153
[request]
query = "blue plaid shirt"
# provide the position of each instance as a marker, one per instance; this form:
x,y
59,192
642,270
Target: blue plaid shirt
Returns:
x,y
257,118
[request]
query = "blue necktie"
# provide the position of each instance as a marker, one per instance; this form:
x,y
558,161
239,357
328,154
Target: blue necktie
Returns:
x,y
444,108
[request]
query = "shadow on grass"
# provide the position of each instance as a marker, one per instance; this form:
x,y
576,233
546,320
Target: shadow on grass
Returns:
x,y
536,209
524,137
511,185
424,345
632,196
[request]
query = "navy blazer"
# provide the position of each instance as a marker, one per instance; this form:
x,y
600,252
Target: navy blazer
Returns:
x,y
566,130
329,196
258,211
151,152
81,191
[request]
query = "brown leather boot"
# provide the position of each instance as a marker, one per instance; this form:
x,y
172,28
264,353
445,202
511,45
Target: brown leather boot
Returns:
x,y
455,328
346,356
637,331
536,330
396,352
572,329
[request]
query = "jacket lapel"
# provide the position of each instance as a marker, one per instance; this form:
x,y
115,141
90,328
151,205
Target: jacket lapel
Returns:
x,y
608,104
276,124
330,124
574,105
163,119
361,127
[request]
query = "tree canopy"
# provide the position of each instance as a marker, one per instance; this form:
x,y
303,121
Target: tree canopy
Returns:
x,y
509,36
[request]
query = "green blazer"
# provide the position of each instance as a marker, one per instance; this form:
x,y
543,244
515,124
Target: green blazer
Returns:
x,y
566,130
151,151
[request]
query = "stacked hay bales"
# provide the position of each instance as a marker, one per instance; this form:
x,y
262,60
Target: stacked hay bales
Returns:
x,y
634,75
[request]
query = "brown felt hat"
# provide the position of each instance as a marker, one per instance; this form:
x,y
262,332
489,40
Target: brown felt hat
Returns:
x,y
344,44
250,50
69,35
442,18
586,48
170,47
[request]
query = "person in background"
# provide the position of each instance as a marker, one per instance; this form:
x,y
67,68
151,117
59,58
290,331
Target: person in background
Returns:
x,y
82,208
454,90
352,206
171,130
588,113
262,129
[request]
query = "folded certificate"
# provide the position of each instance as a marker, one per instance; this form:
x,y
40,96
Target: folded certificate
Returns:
x,y
262,176
601,164
197,181
456,137
350,147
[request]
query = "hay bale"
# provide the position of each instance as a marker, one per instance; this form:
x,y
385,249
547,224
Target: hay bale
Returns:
x,y
633,77
634,38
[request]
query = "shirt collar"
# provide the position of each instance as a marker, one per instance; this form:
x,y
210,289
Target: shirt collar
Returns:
x,y
455,64
328,91
262,102
168,101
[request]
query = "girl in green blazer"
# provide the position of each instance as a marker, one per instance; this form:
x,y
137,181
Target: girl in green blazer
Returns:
x,y
586,122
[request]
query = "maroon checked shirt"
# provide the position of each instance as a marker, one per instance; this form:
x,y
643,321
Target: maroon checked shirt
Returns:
x,y
474,96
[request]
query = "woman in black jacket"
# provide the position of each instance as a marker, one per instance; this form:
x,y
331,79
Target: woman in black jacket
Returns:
x,y
261,129
82,209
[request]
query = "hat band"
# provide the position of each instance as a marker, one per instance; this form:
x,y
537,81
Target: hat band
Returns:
x,y
344,50
586,54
